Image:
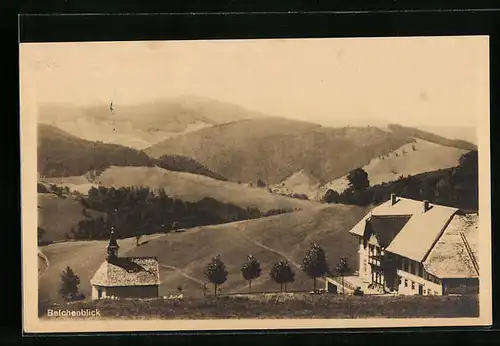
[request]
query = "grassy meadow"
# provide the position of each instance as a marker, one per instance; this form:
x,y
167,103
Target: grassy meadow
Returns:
x,y
281,306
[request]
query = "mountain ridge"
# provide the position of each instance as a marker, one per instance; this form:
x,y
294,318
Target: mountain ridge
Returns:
x,y
143,124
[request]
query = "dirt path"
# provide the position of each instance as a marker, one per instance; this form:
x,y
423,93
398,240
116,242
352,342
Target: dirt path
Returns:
x,y
292,261
182,273
46,260
282,254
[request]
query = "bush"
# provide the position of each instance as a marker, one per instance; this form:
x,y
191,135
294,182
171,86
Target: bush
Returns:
x,y
358,292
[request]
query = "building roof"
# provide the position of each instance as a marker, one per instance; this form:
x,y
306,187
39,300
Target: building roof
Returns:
x,y
454,254
417,236
128,271
381,230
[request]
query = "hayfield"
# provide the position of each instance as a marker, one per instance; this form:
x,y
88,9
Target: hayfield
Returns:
x,y
58,215
269,239
192,187
278,306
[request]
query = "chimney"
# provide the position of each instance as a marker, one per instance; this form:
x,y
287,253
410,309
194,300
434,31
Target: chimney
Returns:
x,y
426,206
393,198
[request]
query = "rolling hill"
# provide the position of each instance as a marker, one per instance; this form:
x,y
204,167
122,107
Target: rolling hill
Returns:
x,y
141,125
183,256
273,148
193,187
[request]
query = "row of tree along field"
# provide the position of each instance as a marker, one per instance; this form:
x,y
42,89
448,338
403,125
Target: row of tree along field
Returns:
x,y
314,265
456,187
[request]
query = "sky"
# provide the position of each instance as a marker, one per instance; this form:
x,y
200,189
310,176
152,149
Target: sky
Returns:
x,y
434,81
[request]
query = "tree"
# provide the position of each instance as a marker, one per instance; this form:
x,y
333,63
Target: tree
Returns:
x,y
358,179
41,233
250,270
282,273
137,238
260,183
314,263
331,196
342,268
69,285
216,272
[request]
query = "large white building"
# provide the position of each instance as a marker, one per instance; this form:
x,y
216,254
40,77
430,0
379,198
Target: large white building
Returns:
x,y
414,247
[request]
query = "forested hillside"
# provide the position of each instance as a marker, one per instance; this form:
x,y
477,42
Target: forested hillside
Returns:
x,y
180,163
62,154
139,211
272,149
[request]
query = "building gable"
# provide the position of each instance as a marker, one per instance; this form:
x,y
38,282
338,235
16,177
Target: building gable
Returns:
x,y
384,229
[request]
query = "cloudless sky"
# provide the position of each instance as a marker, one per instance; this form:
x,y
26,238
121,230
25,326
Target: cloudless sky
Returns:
x,y
411,81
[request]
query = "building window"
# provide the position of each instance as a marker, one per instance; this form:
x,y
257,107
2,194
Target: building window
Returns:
x,y
412,285
406,283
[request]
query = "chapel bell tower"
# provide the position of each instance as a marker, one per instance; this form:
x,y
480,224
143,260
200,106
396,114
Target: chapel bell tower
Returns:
x,y
112,248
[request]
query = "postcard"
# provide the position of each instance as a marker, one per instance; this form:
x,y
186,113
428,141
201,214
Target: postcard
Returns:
x,y
255,184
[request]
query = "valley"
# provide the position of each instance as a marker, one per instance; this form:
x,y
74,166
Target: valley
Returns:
x,y
230,158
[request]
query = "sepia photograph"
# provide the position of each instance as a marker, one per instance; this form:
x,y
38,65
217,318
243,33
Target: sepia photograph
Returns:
x,y
255,184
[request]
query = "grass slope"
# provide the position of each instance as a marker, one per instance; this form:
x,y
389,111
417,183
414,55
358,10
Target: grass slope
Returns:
x,y
269,239
432,137
183,256
426,157
192,187
79,183
58,215
84,257
274,148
